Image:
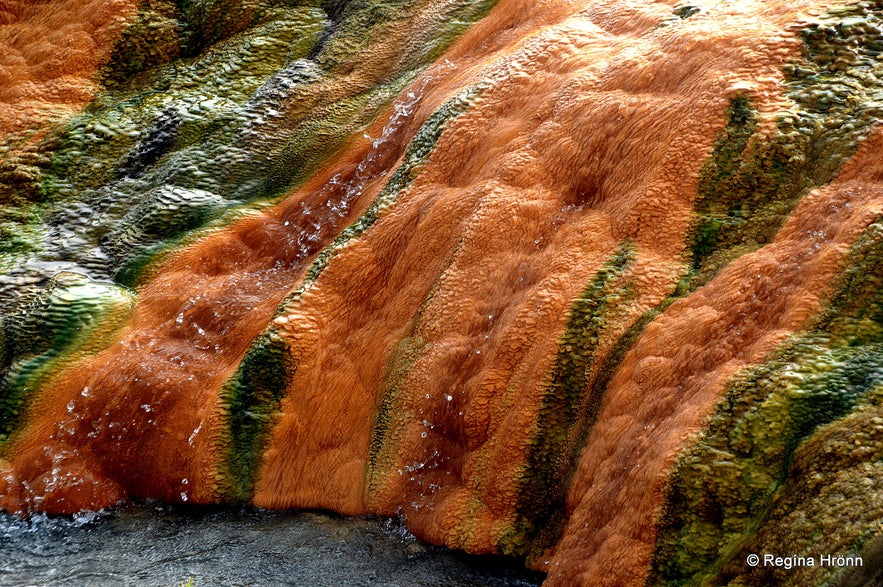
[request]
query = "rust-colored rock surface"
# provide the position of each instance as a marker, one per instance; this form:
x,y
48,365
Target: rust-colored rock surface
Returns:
x,y
49,56
584,283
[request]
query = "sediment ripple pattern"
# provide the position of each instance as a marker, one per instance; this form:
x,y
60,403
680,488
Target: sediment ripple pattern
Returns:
x,y
591,284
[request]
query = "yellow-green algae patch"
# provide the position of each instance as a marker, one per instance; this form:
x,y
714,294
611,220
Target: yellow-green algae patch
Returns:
x,y
752,181
725,486
210,109
725,491
229,97
71,318
830,506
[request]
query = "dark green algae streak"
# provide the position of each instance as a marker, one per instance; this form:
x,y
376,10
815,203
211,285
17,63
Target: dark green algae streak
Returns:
x,y
570,403
190,117
209,109
253,410
253,399
779,468
747,190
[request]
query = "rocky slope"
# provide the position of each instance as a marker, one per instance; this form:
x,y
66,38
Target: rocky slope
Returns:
x,y
592,284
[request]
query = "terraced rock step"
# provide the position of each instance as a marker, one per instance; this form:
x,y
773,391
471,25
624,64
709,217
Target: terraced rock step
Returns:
x,y
594,285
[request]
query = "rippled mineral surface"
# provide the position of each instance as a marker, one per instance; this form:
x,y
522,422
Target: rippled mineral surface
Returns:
x,y
591,284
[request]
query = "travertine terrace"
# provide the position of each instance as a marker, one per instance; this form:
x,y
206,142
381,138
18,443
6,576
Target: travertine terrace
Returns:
x,y
594,284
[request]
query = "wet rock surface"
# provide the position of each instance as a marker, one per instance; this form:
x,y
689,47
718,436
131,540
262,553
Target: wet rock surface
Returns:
x,y
596,285
157,545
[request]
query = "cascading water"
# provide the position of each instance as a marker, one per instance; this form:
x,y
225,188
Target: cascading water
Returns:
x,y
590,284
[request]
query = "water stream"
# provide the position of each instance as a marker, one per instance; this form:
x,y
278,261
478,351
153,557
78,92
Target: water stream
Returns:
x,y
151,544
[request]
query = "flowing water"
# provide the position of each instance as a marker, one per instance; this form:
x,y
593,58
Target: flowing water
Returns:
x,y
153,544
507,310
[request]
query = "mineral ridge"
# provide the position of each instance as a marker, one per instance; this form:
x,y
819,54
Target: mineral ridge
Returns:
x,y
597,284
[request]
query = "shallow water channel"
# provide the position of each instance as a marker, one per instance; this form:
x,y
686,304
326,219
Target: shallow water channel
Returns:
x,y
153,544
